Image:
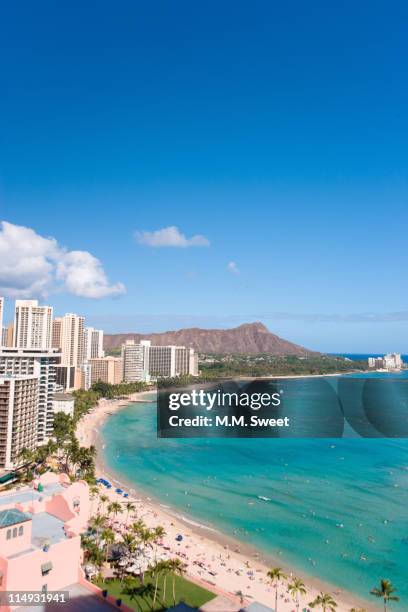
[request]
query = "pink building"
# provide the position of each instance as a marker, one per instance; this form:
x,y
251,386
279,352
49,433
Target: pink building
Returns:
x,y
40,531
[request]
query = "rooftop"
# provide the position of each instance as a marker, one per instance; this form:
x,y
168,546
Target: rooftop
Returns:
x,y
29,495
12,516
63,397
46,527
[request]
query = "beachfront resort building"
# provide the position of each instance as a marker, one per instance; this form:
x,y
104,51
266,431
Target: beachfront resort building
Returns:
x,y
41,364
68,336
93,343
162,361
40,527
141,362
1,319
106,369
18,417
391,361
79,347
171,361
32,325
135,361
63,402
85,371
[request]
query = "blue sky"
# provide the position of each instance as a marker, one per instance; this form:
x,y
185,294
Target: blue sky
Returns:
x,y
276,131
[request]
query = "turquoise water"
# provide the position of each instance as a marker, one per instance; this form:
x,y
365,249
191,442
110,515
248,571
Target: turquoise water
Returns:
x,y
337,509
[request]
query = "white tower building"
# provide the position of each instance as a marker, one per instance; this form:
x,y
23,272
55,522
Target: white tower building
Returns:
x,y
32,325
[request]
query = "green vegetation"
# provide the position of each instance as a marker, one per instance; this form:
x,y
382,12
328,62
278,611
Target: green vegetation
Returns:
x,y
215,367
161,586
385,592
114,352
296,588
325,601
139,596
62,454
264,364
86,400
276,575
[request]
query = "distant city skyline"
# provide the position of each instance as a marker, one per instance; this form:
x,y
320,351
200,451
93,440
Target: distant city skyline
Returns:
x,y
247,162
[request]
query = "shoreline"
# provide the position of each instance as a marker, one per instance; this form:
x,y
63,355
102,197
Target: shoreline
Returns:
x,y
246,565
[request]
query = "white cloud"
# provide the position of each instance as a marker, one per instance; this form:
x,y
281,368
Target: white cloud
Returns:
x,y
31,265
82,274
233,268
170,237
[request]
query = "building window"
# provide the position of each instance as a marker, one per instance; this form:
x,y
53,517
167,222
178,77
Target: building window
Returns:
x,y
20,530
15,532
46,568
8,535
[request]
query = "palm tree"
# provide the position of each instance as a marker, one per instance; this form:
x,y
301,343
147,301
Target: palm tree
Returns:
x,y
145,539
385,591
129,508
93,491
95,556
98,523
275,575
157,534
177,567
296,588
326,601
129,543
114,508
103,500
26,458
165,569
108,536
138,526
155,570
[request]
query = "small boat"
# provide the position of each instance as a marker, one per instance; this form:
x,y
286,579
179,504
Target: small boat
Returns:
x,y
263,498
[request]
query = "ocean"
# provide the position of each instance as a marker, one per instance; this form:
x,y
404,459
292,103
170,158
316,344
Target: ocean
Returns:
x,y
334,509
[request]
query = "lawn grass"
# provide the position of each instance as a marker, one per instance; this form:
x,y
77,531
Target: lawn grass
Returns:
x,y
189,592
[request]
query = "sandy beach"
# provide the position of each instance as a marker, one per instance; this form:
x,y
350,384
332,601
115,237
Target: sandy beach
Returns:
x,y
213,559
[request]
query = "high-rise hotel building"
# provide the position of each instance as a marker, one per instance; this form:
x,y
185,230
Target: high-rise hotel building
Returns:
x,y
135,361
1,320
68,337
144,361
43,366
29,354
18,417
171,361
32,325
93,343
106,369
